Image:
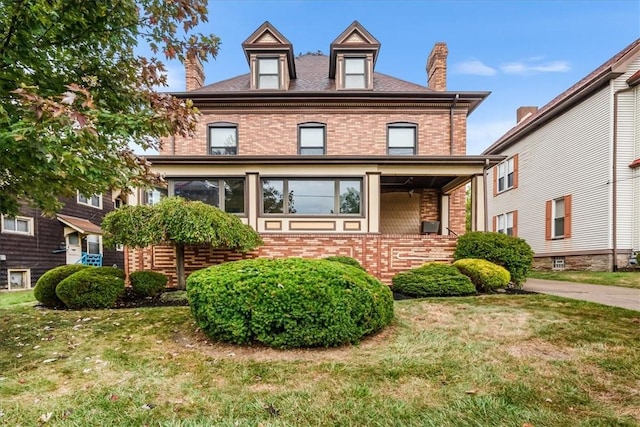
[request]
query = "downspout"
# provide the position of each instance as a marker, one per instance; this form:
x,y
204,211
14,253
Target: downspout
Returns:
x,y
614,177
486,195
453,105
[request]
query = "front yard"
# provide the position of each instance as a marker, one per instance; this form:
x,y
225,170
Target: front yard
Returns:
x,y
500,360
620,278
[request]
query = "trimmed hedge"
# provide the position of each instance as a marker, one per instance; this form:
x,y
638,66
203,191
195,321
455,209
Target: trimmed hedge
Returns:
x,y
510,252
433,280
45,289
93,287
345,260
485,275
148,283
286,303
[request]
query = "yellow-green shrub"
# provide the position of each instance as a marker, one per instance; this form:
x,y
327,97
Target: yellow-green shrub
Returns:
x,y
485,275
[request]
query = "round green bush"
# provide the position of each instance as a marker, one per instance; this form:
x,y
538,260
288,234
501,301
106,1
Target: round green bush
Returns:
x,y
147,283
345,260
510,252
485,275
433,280
287,303
93,287
45,289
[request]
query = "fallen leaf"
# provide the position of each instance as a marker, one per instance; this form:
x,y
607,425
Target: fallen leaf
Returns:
x,y
49,360
148,406
548,400
114,397
44,418
472,391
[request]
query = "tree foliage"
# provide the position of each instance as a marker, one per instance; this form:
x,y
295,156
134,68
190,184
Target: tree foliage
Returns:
x,y
179,222
74,93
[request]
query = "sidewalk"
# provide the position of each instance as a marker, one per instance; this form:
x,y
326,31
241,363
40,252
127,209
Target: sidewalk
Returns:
x,y
607,295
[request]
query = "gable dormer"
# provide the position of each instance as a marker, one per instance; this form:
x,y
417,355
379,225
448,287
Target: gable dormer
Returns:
x,y
270,57
353,57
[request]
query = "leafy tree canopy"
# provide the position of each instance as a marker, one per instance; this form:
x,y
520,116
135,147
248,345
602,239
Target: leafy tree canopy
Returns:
x,y
74,94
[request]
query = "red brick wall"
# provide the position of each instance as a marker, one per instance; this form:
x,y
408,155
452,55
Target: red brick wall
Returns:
x,y
382,255
349,132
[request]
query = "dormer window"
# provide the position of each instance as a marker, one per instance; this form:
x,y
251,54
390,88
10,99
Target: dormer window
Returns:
x,y
355,76
268,73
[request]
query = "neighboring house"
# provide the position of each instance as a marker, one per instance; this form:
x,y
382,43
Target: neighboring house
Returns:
x,y
31,244
322,155
569,185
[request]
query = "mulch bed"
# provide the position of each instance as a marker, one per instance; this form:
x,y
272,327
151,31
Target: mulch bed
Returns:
x,y
131,300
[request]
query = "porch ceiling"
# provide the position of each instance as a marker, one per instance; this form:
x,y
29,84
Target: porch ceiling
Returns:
x,y
403,183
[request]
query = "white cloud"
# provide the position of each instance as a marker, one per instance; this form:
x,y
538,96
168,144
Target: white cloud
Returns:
x,y
474,67
534,65
481,135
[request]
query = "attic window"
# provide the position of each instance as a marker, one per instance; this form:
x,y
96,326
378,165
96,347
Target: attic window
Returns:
x,y
355,73
268,75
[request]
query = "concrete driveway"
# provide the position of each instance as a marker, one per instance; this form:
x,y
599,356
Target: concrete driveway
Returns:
x,y
607,295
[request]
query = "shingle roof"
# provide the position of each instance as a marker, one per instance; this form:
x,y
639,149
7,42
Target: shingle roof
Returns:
x,y
313,76
559,101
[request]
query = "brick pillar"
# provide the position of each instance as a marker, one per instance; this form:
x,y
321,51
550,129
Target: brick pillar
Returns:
x,y
437,67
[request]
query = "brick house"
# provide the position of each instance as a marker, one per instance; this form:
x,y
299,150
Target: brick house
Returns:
x,y
31,244
322,155
569,184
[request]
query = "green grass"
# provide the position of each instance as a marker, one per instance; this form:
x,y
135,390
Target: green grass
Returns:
x,y
499,360
8,298
624,279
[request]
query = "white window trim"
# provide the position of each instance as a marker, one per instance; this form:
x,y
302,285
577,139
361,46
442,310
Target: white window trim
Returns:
x,y
505,219
100,248
88,202
29,220
558,263
553,218
344,73
259,74
503,169
19,270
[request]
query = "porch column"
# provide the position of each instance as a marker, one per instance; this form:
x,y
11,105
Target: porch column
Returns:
x,y
253,186
373,202
444,214
478,204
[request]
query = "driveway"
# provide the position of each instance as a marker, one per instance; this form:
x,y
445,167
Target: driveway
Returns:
x,y
607,295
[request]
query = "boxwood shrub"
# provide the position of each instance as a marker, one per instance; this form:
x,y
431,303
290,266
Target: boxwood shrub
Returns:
x,y
147,283
510,252
433,280
345,260
45,289
485,275
92,287
287,303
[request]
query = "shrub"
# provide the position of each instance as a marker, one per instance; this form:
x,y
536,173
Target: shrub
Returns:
x,y
92,287
288,303
510,252
45,289
147,283
485,275
433,280
345,260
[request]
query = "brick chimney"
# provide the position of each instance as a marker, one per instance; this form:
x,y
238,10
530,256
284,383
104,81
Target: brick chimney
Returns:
x,y
437,67
524,112
194,73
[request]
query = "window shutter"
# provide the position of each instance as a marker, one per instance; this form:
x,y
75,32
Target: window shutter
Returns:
x,y
547,221
515,223
495,223
495,181
515,172
567,216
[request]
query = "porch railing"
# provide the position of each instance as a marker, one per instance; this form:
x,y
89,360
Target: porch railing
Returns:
x,y
94,260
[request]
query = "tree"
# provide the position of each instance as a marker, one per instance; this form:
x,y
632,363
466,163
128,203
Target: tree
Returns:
x,y
179,222
74,94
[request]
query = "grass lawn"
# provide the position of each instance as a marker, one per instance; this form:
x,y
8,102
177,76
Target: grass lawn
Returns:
x,y
8,298
502,360
624,279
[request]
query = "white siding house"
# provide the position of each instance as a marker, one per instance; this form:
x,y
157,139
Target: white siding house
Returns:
x,y
570,185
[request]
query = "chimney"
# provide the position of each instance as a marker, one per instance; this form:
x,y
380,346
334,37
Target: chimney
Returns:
x,y
524,113
437,67
194,72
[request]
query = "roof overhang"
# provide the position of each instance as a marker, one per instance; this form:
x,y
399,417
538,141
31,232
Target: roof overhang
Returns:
x,y
81,225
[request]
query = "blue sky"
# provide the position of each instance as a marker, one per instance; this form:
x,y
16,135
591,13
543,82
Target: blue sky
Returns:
x,y
523,52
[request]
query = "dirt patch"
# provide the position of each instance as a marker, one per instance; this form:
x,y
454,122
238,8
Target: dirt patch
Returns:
x,y
539,349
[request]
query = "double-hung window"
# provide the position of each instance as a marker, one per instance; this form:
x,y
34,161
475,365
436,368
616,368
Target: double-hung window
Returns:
x,y
506,223
558,218
355,75
226,194
17,225
506,176
94,201
223,139
268,75
402,139
310,196
312,138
